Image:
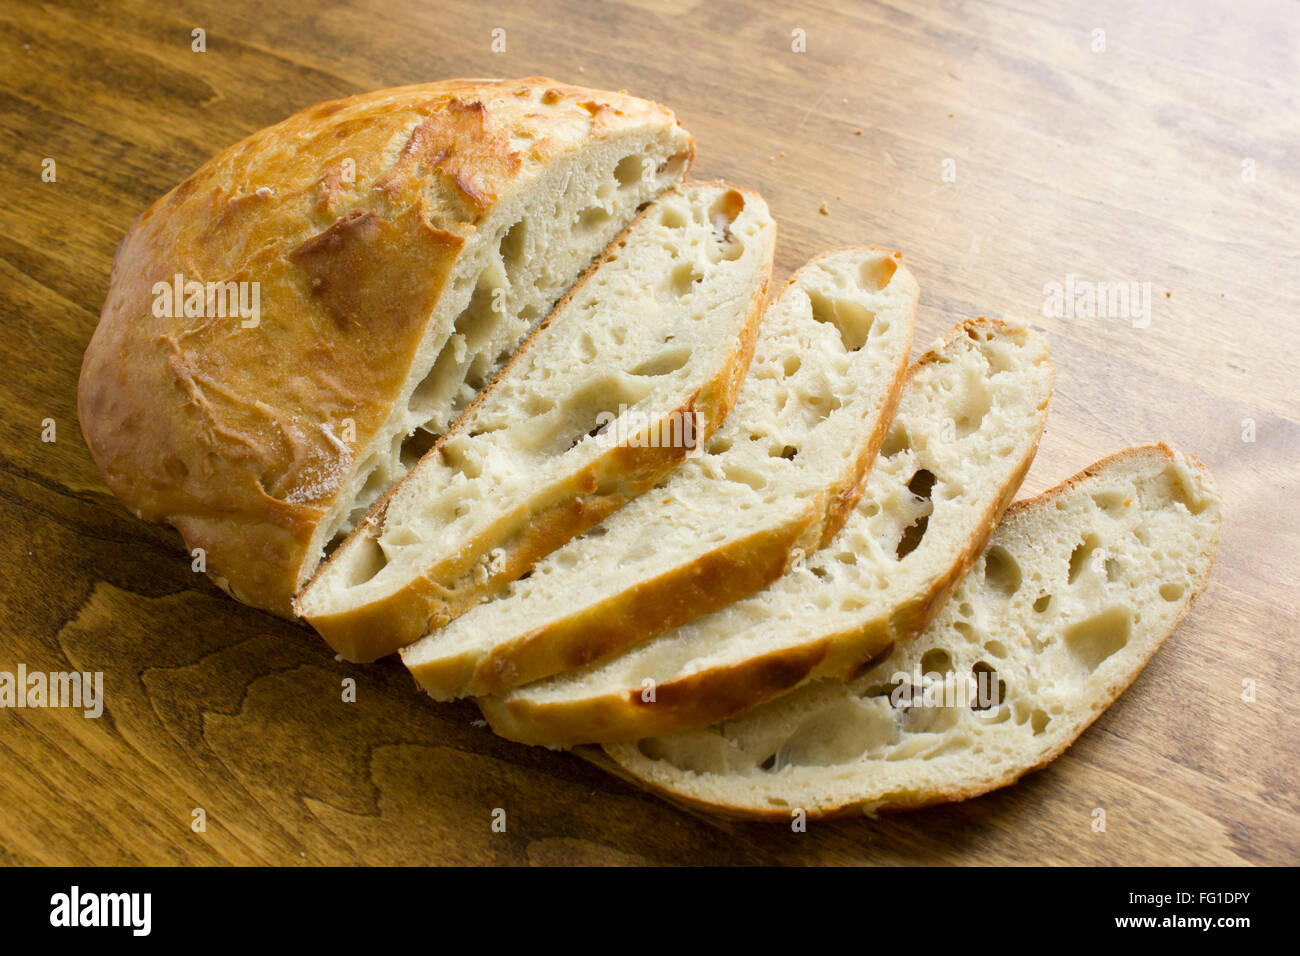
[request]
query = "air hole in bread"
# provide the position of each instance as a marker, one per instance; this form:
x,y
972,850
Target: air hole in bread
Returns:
x,y
630,169
460,360
538,404
877,273
744,476
477,321
1112,570
1096,638
1043,603
1038,720
514,245
1182,494
416,447
789,365
725,209
1081,555
585,413
996,649
664,363
368,560
1108,500
921,485
476,376
674,163
896,441
377,479
442,381
403,537
586,347
462,455
723,212
979,401
593,217
1171,592
912,537
936,661
683,278
718,444
787,452
851,319
673,218
839,734
990,690
1001,572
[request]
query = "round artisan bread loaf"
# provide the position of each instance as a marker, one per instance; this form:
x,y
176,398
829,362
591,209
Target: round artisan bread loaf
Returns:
x,y
288,329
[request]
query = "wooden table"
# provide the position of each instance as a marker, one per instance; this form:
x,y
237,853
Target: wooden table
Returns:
x,y
1002,147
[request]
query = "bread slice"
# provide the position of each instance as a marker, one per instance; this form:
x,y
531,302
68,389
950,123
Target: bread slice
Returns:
x,y
640,362
967,427
1076,591
398,246
780,475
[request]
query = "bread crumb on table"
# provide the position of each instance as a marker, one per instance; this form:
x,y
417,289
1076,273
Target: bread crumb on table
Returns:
x,y
825,210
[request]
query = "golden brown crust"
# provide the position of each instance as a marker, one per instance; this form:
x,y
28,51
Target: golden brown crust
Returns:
x,y
350,216
898,803
715,580
453,585
716,694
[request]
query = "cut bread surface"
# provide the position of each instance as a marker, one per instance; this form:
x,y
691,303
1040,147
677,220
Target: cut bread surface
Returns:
x,y
1076,590
779,476
527,252
968,423
637,364
523,255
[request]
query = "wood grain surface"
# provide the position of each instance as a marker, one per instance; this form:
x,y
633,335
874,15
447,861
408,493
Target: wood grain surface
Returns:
x,y
1001,146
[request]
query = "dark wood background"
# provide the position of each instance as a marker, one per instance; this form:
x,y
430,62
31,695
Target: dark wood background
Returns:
x,y
1169,157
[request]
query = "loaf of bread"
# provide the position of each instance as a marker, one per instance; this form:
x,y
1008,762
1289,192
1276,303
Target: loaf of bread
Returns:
x,y
289,328
480,339
635,368
1076,590
779,477
967,426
